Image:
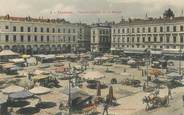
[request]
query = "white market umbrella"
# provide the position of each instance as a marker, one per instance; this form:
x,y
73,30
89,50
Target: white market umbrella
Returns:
x,y
12,89
92,75
39,90
131,61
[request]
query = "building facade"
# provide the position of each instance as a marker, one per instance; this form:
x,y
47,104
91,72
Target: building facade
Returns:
x,y
160,33
84,34
100,38
32,36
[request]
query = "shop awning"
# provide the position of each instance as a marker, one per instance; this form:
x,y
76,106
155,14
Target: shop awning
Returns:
x,y
171,51
134,50
17,60
156,52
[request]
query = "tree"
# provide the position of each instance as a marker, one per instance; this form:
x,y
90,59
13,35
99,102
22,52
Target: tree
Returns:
x,y
168,14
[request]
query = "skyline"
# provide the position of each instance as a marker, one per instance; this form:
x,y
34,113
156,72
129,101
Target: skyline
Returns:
x,y
80,11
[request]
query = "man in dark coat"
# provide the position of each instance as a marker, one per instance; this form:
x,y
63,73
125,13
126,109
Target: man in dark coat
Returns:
x,y
106,105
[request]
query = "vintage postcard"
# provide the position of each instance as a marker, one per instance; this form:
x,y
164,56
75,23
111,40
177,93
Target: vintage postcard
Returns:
x,y
91,57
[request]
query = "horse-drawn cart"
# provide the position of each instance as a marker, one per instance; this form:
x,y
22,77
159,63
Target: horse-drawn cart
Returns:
x,y
154,101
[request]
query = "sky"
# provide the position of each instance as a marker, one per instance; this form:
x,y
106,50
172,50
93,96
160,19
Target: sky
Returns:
x,y
90,11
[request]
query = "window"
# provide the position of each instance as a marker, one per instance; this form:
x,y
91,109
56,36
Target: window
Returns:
x,y
161,29
69,39
73,38
118,31
161,39
132,39
114,31
22,38
22,29
118,40
143,39
41,29
181,28
181,39
155,29
123,31
93,32
137,39
93,39
47,38
63,38
63,30
35,29
128,39
6,27
14,28
149,39
132,30
73,30
14,38
35,38
6,38
143,30
28,29
167,39
41,38
138,30
47,29
53,30
68,30
149,29
174,39
155,39
174,28
168,29
29,38
58,30
127,30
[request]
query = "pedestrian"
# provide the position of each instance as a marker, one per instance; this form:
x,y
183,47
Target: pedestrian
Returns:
x,y
169,93
142,73
144,86
106,106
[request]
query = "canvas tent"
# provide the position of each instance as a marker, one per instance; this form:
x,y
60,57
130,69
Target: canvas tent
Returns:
x,y
12,89
5,55
20,95
39,90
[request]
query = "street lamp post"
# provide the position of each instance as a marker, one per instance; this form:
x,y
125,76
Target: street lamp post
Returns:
x,y
69,98
180,56
69,89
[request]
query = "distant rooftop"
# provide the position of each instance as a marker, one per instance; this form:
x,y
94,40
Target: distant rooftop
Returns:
x,y
105,24
150,20
28,18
